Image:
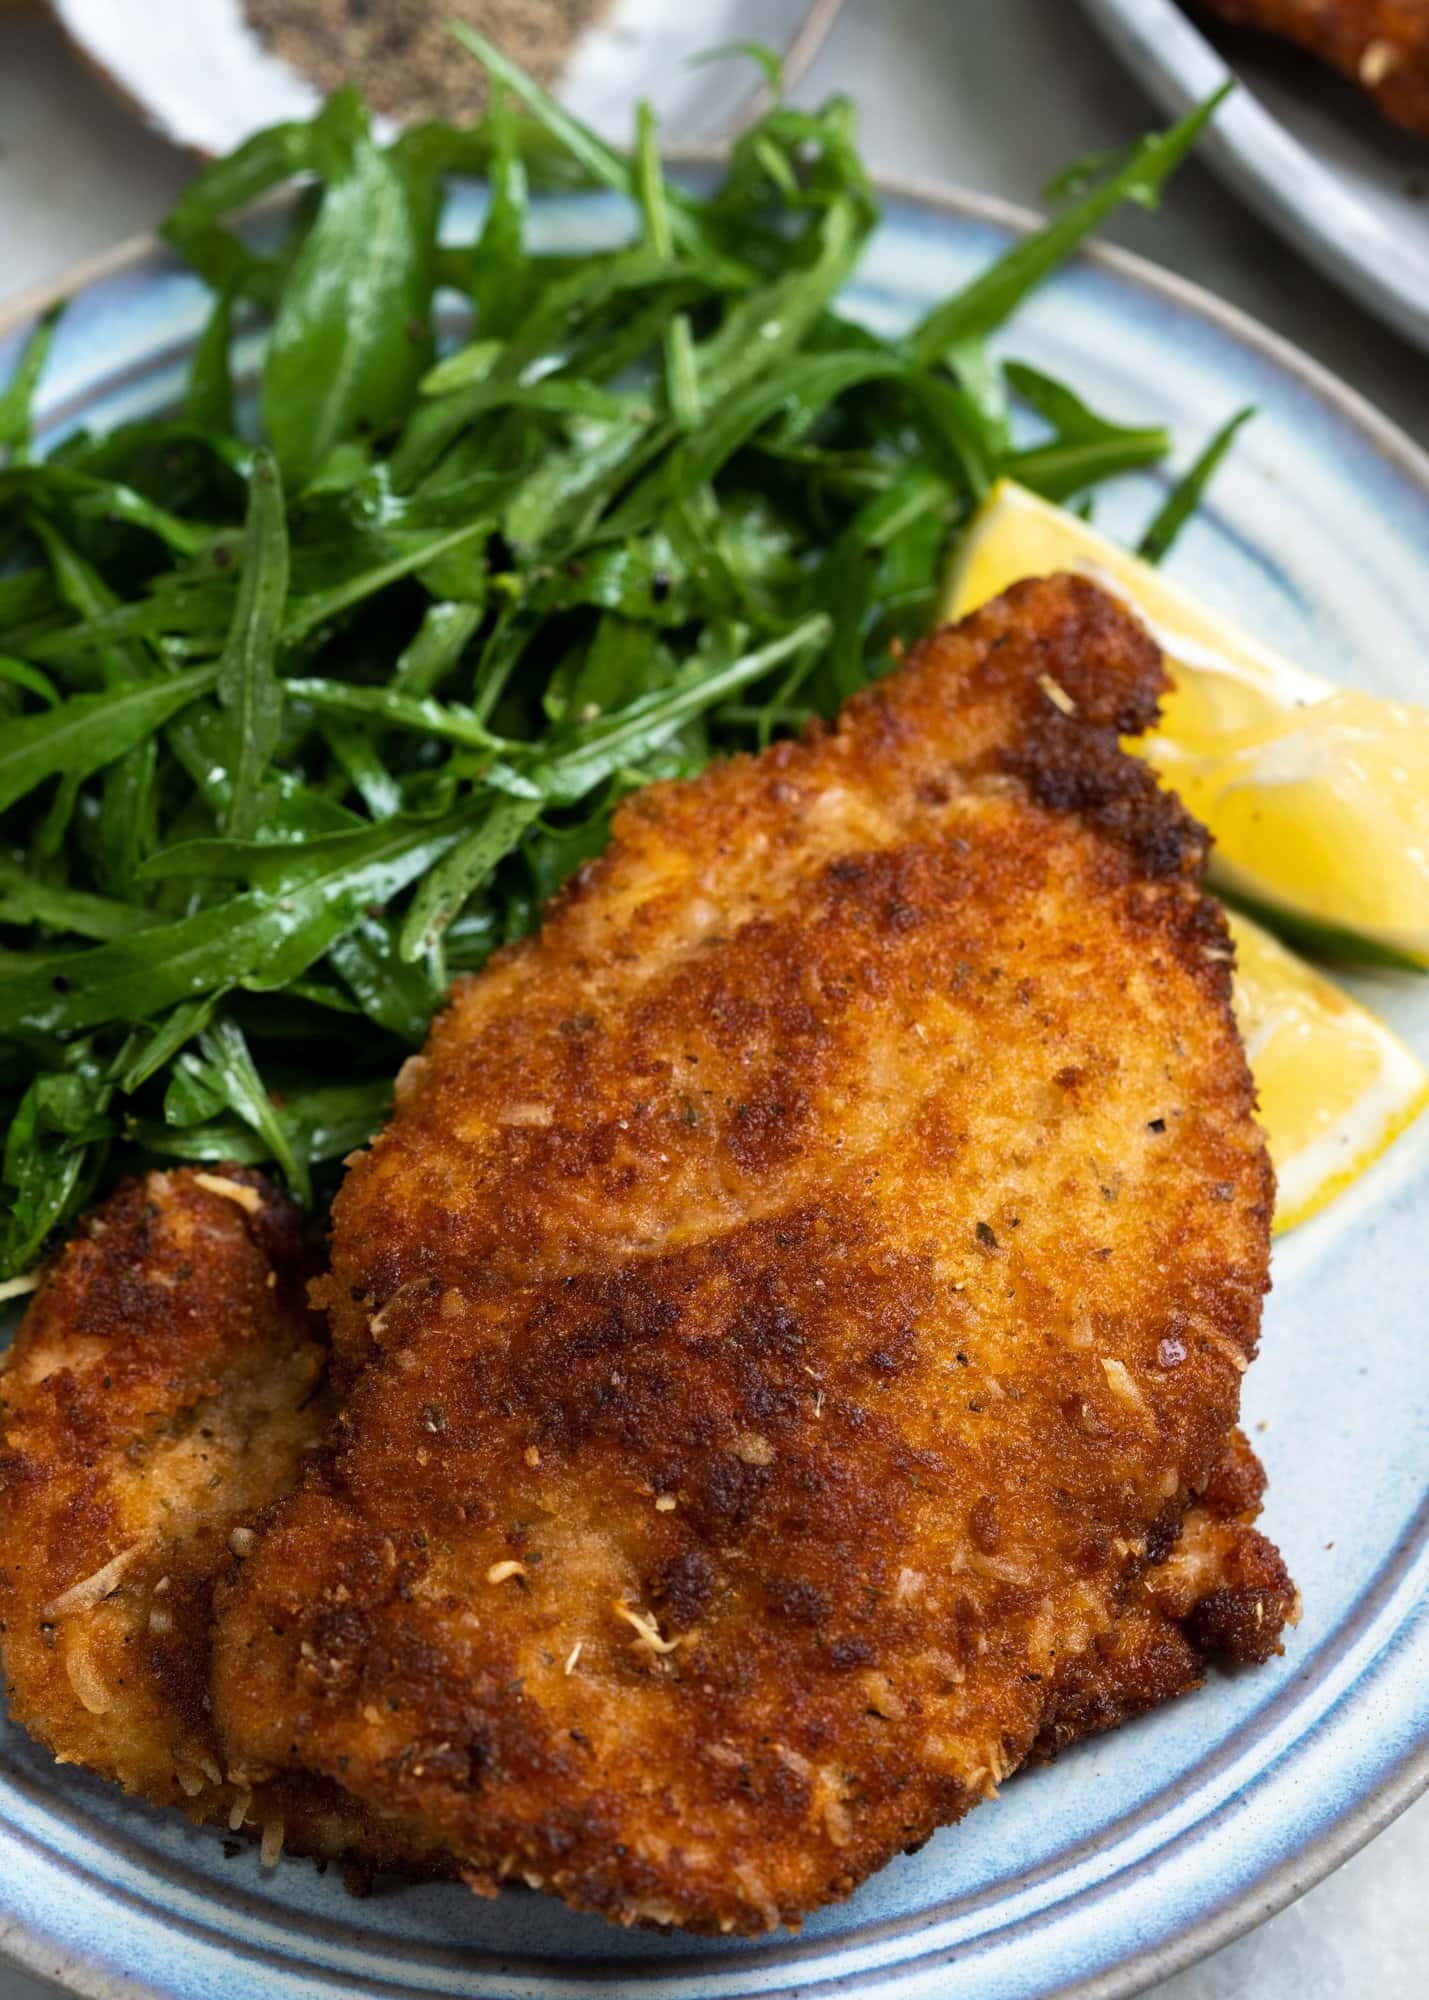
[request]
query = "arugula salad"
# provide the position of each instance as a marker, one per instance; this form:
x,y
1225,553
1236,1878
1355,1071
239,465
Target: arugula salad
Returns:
x,y
314,689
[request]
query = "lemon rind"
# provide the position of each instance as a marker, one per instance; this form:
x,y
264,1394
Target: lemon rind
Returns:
x,y
1239,657
1311,933
1328,1187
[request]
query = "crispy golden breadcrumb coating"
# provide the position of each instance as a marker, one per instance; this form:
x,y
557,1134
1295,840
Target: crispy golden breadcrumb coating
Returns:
x,y
165,1385
1221,1593
1383,45
799,1292
1221,1596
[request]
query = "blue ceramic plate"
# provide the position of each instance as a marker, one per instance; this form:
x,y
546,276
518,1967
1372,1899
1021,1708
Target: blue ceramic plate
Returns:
x,y
1308,151
1132,1855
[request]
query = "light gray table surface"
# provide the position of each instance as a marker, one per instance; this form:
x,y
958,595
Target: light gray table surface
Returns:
x,y
997,95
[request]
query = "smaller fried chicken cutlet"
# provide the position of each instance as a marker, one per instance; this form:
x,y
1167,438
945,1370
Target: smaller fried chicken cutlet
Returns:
x,y
166,1384
1383,45
797,1293
1220,1596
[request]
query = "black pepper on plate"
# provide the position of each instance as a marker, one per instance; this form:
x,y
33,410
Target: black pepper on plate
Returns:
x,y
401,53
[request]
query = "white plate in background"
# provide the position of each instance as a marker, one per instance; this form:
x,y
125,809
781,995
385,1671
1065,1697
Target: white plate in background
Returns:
x,y
1305,148
198,74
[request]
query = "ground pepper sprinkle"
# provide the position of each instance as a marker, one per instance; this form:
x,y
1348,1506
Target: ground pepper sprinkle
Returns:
x,y
401,54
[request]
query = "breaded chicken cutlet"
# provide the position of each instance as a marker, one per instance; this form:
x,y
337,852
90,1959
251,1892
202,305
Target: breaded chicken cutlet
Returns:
x,y
1382,45
120,1508
800,1292
1221,1596
167,1382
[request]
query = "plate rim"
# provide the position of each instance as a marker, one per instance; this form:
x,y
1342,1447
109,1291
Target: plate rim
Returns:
x,y
1138,31
1291,1876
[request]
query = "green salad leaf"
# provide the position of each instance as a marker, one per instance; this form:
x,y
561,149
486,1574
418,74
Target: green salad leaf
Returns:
x,y
1186,495
313,693
248,685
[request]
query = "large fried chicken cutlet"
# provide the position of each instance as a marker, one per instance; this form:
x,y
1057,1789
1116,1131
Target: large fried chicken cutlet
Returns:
x,y
799,1294
1383,45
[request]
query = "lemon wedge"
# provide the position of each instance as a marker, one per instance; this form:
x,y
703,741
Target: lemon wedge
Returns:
x,y
1336,1088
1318,796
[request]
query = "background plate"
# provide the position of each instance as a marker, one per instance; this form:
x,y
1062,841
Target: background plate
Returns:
x,y
1305,148
1132,1855
197,73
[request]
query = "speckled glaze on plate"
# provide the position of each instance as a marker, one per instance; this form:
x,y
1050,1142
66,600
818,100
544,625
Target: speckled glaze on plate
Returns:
x,y
1135,1854
1307,151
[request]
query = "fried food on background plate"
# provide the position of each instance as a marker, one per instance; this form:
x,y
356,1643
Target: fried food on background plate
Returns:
x,y
800,1292
157,1294
1383,45
166,1383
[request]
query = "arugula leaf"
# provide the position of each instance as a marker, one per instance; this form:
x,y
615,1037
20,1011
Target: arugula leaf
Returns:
x,y
461,871
249,690
602,162
128,813
396,994
84,590
650,721
19,673
307,615
208,399
147,1054
89,498
26,899
1084,172
193,225
992,297
771,323
500,280
352,335
53,1151
18,395
437,423
82,735
228,1071
421,714
446,630
1086,447
355,750
325,1123
1186,495
799,388
307,895
682,384
770,65
847,581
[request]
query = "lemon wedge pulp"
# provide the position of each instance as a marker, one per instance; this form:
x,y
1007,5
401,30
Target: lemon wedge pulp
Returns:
x,y
1318,796
1336,1088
